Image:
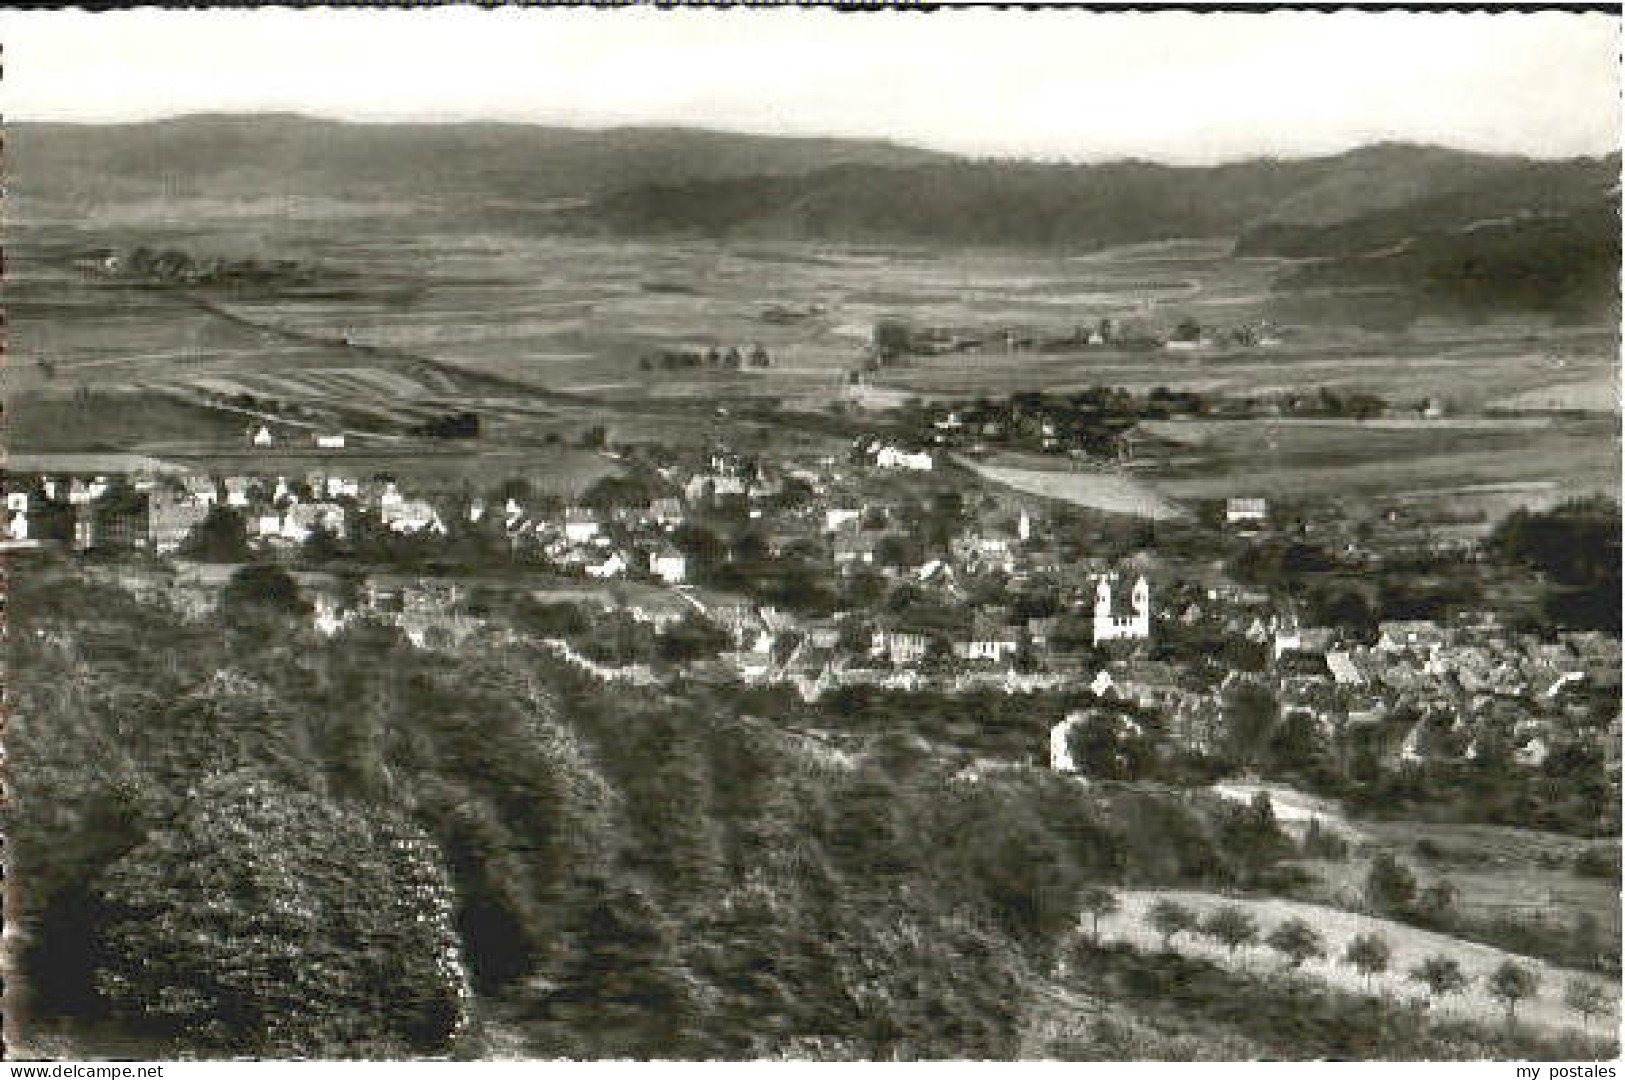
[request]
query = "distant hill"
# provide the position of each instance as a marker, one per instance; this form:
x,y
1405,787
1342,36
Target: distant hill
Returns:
x,y
1455,227
1521,235
451,167
1446,225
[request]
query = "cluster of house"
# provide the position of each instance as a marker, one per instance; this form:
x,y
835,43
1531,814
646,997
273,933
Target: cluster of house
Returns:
x,y
158,513
1422,691
1107,332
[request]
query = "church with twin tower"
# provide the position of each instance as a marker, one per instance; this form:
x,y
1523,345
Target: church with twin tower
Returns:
x,y
1135,626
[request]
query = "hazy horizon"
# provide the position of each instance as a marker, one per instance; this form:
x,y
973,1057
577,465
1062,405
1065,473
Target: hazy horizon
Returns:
x,y
403,122
1174,87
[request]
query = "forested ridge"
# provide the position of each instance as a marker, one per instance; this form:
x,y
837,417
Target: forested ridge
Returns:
x,y
240,838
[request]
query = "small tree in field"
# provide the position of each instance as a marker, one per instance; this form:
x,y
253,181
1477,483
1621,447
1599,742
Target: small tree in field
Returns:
x,y
1170,918
1368,954
1511,984
1098,902
1389,885
1231,927
1586,999
1441,975
1297,941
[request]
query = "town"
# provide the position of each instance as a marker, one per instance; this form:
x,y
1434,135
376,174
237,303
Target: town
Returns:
x,y
893,569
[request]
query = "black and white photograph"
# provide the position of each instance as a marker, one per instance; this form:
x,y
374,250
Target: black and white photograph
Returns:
x,y
811,534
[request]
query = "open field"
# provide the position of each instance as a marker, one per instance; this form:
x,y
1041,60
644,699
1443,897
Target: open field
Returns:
x,y
544,336
1500,872
1288,457
1097,489
1410,946
1600,393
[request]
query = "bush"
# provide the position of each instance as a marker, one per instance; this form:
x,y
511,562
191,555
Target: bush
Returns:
x,y
271,922
1601,862
1320,842
1389,885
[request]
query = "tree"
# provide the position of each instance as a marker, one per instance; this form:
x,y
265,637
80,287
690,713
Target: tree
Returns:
x,y
320,546
1297,941
222,537
1587,935
1586,999
263,588
1098,902
621,985
892,337
1250,715
1389,884
1439,898
1368,954
1231,927
1170,918
1441,975
1512,983
1320,842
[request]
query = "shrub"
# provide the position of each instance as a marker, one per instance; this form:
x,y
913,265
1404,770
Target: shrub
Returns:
x,y
1511,984
1170,918
269,921
1441,975
1232,927
1368,954
1389,885
1320,842
1587,999
1602,862
1297,941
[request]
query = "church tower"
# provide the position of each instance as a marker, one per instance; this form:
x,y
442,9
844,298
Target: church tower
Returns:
x,y
1141,601
1136,626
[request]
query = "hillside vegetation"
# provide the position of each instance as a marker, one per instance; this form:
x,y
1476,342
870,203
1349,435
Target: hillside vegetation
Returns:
x,y
346,847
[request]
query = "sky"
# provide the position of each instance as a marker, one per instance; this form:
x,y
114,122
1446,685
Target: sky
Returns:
x,y
1054,85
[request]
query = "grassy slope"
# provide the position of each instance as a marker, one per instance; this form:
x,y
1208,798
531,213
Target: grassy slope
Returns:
x,y
1410,946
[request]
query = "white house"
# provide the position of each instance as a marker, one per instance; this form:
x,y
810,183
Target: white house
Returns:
x,y
837,516
410,516
262,437
580,525
330,442
612,567
899,646
1238,511
329,617
342,486
669,565
17,515
890,457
